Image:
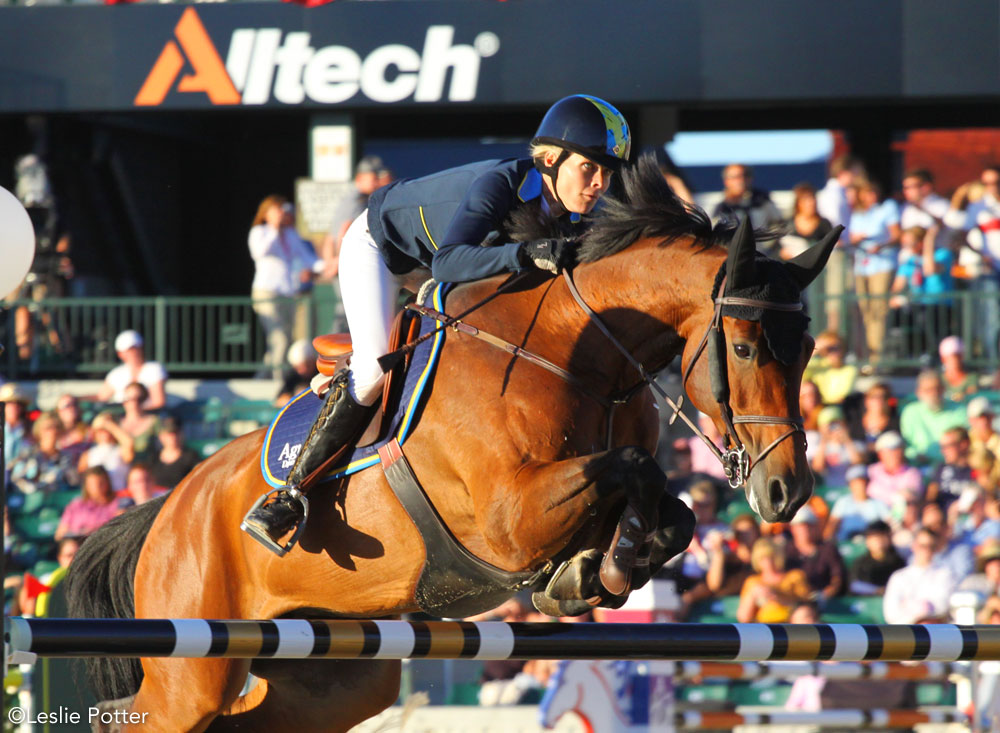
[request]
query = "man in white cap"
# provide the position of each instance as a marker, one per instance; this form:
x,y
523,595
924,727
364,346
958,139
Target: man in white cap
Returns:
x,y
891,479
134,368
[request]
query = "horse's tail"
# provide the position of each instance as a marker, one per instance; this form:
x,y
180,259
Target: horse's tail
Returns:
x,y
101,584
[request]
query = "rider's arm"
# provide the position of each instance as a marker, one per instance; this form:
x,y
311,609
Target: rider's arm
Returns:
x,y
460,257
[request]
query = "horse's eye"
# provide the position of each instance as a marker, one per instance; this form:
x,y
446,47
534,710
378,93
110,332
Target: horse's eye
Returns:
x,y
741,350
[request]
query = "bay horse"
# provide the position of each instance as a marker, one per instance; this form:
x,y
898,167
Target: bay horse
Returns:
x,y
515,460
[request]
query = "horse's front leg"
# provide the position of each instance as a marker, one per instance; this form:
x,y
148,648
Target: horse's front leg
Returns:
x,y
553,501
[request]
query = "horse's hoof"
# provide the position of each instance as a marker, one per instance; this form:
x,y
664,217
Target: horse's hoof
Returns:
x,y
551,607
575,579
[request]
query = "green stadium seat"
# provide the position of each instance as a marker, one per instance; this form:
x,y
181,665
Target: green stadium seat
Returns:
x,y
853,610
34,527
59,500
19,503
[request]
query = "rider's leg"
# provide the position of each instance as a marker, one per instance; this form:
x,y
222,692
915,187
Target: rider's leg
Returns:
x,y
369,292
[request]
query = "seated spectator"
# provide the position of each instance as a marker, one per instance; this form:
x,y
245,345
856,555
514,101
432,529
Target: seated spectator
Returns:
x,y
175,459
729,559
906,515
986,580
139,422
835,450
923,278
95,506
806,690
922,423
771,593
870,572
74,436
977,516
680,474
819,560
301,369
959,383
139,487
703,460
949,479
827,369
111,449
853,513
810,405
16,429
891,479
41,466
982,436
951,551
702,499
919,593
877,415
134,368
29,602
990,612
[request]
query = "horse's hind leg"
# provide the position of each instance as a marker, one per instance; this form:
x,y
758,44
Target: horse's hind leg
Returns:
x,y
313,695
185,694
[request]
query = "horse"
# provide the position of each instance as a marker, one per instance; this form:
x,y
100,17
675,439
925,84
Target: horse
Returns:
x,y
530,470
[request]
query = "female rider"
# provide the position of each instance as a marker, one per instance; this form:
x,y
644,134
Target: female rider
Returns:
x,y
439,222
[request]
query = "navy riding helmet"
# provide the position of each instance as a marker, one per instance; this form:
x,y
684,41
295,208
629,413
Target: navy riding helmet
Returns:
x,y
588,126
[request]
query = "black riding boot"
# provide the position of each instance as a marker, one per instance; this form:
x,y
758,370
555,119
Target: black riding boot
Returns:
x,y
340,423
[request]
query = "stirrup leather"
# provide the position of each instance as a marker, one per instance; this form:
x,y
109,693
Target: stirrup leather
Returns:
x,y
262,537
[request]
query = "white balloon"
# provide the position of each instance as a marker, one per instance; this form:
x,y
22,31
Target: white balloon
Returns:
x,y
17,242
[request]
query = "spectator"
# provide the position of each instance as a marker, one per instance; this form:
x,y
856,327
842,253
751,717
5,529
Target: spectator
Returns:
x,y
877,415
807,226
919,592
505,681
854,512
810,405
919,303
73,438
32,603
874,234
986,580
982,222
806,691
771,593
139,488
949,479
350,207
982,436
95,506
906,516
680,475
703,460
835,450
981,520
832,204
703,501
834,378
41,466
284,266
111,449
134,368
891,478
871,571
15,421
923,208
959,383
175,460
819,560
985,469
922,423
740,200
139,423
729,559
951,551
301,370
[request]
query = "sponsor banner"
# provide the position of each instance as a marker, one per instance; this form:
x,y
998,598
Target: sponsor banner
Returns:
x,y
360,55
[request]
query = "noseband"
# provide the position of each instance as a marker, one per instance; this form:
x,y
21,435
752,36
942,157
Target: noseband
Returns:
x,y
735,460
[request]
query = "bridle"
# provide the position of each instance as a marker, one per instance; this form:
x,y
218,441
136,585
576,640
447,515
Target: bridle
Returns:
x,y
735,460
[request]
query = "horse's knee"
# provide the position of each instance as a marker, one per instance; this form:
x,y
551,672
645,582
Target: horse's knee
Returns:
x,y
643,479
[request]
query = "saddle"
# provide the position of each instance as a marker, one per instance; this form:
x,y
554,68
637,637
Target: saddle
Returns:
x,y
334,351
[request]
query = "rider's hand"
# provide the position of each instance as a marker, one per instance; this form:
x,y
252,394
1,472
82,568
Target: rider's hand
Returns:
x,y
547,254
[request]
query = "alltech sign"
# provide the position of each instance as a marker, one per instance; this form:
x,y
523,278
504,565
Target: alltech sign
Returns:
x,y
268,66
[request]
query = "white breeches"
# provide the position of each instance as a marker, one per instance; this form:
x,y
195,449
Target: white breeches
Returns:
x,y
370,293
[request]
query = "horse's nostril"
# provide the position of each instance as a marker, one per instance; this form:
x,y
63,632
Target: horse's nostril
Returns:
x,y
777,492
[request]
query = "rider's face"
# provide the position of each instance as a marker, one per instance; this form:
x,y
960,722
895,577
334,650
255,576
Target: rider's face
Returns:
x,y
581,182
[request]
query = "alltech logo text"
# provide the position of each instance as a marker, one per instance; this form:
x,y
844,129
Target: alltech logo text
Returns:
x,y
265,64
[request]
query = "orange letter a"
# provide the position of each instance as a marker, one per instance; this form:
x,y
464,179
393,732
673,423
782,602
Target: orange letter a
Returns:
x,y
209,74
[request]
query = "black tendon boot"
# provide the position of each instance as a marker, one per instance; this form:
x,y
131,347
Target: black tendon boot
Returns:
x,y
339,425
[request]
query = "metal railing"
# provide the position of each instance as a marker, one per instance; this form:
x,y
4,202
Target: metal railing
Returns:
x,y
221,336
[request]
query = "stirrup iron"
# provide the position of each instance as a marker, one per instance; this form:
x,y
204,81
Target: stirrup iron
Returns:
x,y
262,537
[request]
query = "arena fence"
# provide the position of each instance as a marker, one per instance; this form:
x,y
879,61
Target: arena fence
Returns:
x,y
860,719
353,639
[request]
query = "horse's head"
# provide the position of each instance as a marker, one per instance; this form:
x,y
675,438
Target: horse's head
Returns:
x,y
747,370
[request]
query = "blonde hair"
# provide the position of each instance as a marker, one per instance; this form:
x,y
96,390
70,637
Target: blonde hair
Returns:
x,y
540,150
267,203
766,547
42,420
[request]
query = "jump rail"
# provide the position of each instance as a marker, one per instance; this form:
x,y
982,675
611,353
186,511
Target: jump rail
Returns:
x,y
822,719
828,670
353,639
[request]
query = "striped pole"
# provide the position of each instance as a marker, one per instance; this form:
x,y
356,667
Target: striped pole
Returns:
x,y
828,670
695,720
354,639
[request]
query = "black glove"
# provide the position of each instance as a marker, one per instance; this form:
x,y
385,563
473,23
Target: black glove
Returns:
x,y
548,254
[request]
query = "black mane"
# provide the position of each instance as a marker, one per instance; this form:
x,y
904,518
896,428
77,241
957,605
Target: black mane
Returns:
x,y
646,208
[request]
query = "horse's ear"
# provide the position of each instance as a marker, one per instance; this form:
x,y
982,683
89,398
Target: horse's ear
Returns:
x,y
740,267
805,267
